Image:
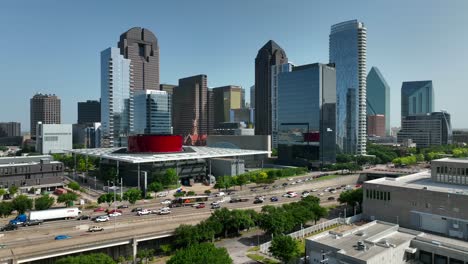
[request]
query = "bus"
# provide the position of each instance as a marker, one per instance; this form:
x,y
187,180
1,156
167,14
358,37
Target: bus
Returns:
x,y
189,200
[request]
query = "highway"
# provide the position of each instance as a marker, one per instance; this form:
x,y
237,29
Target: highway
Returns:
x,y
130,222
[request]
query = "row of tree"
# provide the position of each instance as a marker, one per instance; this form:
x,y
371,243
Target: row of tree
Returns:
x,y
22,203
83,163
131,195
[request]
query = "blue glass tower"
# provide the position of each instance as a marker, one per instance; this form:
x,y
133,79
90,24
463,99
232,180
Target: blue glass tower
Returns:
x,y
348,53
152,112
378,96
417,98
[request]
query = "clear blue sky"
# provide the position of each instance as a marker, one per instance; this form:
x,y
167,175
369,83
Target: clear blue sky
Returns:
x,y
53,46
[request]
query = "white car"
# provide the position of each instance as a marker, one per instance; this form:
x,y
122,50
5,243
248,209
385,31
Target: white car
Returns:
x,y
290,179
102,218
164,211
115,214
305,195
292,194
162,194
220,194
315,190
321,194
166,201
292,183
144,212
195,204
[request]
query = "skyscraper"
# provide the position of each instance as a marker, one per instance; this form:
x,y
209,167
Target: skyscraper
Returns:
x,y
10,129
417,98
116,98
348,53
426,130
45,108
152,112
89,112
252,96
140,46
275,72
378,97
225,98
270,54
190,100
307,113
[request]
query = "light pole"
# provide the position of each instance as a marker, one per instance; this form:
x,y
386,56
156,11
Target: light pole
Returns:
x,y
115,206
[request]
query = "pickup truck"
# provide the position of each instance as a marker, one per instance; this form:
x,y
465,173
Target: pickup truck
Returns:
x,y
144,212
9,227
95,228
33,222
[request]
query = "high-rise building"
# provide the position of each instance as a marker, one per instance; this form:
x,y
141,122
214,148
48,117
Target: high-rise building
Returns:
x,y
348,53
169,88
45,108
225,98
242,97
376,125
89,112
252,96
211,111
378,97
431,129
417,98
307,113
10,129
275,72
270,54
140,46
152,112
116,98
190,101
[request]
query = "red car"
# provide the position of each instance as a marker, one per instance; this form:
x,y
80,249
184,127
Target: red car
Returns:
x,y
100,209
358,185
200,206
113,211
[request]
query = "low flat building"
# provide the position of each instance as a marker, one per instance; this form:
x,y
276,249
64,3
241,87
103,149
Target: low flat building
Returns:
x,y
40,172
381,242
431,202
432,129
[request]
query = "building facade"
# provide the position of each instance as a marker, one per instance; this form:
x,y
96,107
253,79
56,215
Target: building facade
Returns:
x,y
307,112
417,98
89,112
93,136
269,55
225,98
376,125
10,129
276,70
378,97
252,96
169,88
152,112
348,53
140,46
426,130
245,115
190,100
116,98
45,108
54,138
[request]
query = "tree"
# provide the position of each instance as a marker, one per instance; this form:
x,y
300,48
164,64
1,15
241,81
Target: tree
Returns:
x,y
13,190
274,152
284,248
95,258
145,254
67,198
2,192
166,249
132,195
44,202
186,235
201,253
22,203
352,198
155,187
171,177
108,198
5,209
242,180
74,186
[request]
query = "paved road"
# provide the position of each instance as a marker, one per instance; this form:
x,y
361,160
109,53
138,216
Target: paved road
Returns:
x,y
27,236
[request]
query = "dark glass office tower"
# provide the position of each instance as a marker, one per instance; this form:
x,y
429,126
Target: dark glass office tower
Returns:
x,y
378,97
89,112
348,53
141,46
270,54
417,98
307,113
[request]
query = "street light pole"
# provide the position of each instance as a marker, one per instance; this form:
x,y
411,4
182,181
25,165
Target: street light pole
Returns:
x,y
115,206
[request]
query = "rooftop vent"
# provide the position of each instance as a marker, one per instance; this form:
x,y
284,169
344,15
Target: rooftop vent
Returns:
x,y
361,245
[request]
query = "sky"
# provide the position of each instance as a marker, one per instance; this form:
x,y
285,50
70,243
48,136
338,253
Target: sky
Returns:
x,y
53,46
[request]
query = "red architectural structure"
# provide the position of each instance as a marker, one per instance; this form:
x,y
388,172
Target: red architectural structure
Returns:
x,y
155,143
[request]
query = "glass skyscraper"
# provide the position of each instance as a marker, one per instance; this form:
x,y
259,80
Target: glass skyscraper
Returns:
x,y
307,112
378,97
417,98
348,53
116,99
152,112
275,72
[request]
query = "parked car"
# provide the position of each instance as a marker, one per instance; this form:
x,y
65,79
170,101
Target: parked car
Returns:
x,y
257,201
144,212
201,205
100,209
62,237
83,217
95,229
9,227
274,199
102,218
122,206
33,222
137,209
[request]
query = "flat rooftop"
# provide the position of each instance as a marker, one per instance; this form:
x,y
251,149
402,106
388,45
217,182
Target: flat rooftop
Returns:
x,y
27,163
189,153
377,236
420,181
453,160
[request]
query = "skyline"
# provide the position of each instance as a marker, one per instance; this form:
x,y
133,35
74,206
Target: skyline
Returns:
x,y
58,51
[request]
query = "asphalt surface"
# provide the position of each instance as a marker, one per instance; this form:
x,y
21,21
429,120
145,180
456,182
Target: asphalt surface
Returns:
x,y
129,221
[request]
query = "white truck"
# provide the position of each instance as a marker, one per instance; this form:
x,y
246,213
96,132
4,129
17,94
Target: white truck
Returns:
x,y
51,214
